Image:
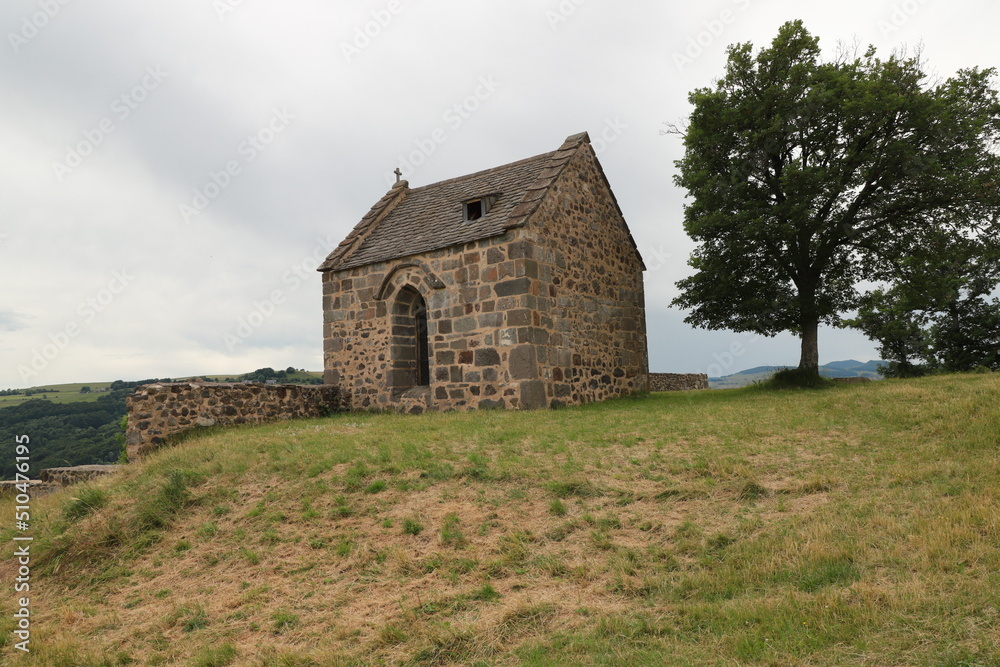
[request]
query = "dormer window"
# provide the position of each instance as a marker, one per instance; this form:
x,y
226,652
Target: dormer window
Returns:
x,y
474,209
477,208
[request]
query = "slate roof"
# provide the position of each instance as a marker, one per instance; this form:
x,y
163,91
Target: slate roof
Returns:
x,y
412,221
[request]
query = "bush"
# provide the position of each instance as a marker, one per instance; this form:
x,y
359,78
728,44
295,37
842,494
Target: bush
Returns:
x,y
796,378
897,369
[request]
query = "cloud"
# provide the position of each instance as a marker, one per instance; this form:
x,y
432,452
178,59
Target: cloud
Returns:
x,y
562,67
13,321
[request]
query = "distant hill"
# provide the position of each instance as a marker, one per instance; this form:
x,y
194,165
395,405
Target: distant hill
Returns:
x,y
73,393
835,369
844,365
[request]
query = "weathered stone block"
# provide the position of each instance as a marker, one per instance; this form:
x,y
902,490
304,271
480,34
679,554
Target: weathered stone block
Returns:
x,y
465,324
519,318
533,395
523,363
507,337
521,250
513,287
487,357
490,320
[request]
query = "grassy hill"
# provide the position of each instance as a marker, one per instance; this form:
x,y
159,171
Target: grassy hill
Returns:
x,y
58,393
852,525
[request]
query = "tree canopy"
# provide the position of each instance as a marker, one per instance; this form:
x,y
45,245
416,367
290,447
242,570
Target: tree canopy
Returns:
x,y
938,314
808,178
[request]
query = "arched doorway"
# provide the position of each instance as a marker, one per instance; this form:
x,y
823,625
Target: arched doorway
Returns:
x,y
409,347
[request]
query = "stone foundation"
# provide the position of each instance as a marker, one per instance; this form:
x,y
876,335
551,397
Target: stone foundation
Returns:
x,y
677,382
157,412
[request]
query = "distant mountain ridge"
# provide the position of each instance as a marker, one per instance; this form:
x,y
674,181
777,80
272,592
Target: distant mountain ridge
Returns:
x,y
835,369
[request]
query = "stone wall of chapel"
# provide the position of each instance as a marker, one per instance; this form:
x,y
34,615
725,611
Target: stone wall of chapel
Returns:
x,y
591,301
476,295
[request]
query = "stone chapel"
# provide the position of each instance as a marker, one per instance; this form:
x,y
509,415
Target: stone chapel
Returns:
x,y
517,287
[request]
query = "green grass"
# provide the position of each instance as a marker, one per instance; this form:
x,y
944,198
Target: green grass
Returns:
x,y
853,525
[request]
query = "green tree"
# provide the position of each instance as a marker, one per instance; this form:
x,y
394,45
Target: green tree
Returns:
x,y
886,316
808,177
938,313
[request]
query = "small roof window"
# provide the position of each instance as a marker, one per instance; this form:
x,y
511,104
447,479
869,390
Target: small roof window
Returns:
x,y
477,208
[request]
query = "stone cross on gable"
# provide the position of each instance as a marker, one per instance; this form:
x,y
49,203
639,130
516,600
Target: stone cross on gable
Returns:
x,y
399,174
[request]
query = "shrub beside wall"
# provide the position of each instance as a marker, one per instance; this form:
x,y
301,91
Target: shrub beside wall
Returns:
x,y
158,411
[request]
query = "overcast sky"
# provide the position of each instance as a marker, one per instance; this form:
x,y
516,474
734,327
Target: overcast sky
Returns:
x,y
173,173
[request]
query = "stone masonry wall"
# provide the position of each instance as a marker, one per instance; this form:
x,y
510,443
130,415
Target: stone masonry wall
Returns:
x,y
158,411
591,342
677,381
475,299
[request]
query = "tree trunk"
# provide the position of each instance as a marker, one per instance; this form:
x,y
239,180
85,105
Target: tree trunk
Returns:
x,y
809,361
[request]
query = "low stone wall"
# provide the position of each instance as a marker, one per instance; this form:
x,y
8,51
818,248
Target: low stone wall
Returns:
x,y
75,474
36,488
158,411
855,380
677,382
53,479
